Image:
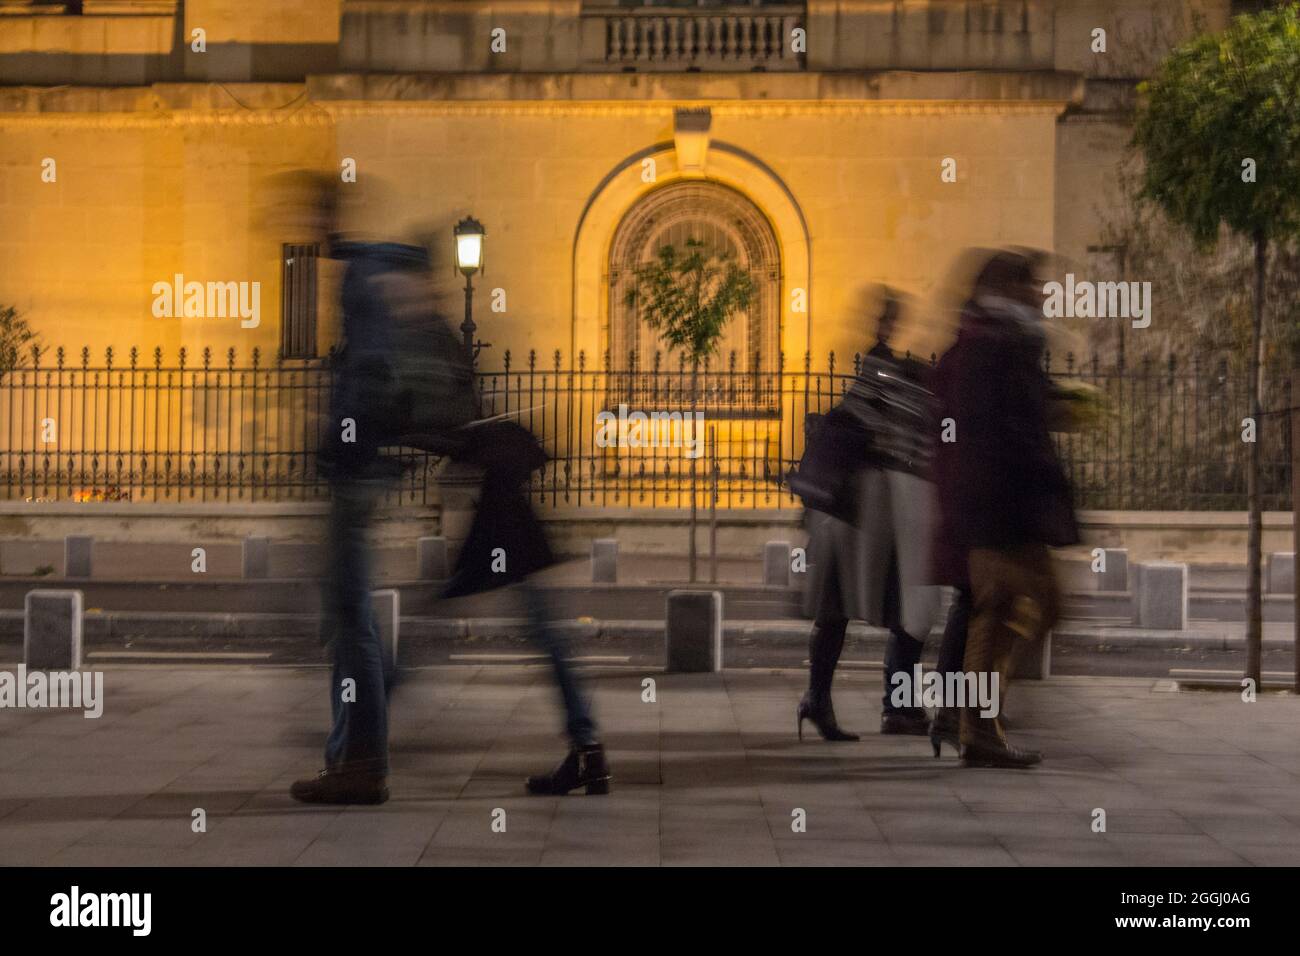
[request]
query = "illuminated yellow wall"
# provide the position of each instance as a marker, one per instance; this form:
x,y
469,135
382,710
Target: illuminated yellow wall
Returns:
x,y
138,200
278,21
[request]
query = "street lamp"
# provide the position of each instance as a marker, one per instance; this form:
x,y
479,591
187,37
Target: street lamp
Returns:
x,y
469,234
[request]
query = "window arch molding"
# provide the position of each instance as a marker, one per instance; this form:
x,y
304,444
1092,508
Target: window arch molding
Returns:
x,y
623,186
727,222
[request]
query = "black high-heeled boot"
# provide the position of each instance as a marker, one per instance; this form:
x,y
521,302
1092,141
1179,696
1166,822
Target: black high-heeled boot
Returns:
x,y
824,646
581,767
945,728
822,715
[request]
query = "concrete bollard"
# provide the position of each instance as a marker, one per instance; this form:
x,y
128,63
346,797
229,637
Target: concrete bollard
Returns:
x,y
257,557
1161,598
387,608
52,630
693,632
776,563
1115,577
431,557
77,553
1032,660
1280,576
604,561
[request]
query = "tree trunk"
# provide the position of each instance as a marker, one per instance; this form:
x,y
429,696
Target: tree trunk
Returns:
x,y
1294,414
695,397
1254,534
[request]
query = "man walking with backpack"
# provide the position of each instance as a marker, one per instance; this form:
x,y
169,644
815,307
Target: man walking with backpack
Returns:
x,y
400,379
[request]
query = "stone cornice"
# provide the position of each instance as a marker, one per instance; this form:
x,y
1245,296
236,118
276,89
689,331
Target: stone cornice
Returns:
x,y
1044,86
323,99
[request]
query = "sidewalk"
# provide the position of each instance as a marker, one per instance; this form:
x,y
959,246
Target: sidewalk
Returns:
x,y
710,773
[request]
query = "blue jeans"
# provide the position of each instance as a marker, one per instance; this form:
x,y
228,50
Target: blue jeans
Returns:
x,y
359,737
579,724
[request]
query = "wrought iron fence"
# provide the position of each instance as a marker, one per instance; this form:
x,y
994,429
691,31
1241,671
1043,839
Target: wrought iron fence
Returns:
x,y
620,435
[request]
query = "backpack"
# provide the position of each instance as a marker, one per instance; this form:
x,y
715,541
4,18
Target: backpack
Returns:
x,y
430,393
401,376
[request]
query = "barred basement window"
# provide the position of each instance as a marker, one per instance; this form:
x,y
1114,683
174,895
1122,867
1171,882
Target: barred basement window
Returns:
x,y
298,300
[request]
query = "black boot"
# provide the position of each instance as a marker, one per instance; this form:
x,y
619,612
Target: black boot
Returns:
x,y
945,729
341,786
902,654
909,722
824,647
822,715
583,767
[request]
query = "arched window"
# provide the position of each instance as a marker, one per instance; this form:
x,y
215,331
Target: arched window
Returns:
x,y
727,223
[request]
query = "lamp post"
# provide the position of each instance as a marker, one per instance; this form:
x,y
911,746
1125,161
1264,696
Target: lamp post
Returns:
x,y
469,233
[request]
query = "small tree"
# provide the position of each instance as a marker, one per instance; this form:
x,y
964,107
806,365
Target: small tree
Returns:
x,y
688,298
17,340
1219,130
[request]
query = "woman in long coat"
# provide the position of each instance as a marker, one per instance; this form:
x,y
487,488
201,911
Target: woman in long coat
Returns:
x,y
876,567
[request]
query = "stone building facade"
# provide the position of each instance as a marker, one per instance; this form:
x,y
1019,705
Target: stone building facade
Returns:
x,y
829,124
830,145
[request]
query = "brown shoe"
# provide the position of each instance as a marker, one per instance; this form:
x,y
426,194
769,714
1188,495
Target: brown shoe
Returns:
x,y
998,755
340,786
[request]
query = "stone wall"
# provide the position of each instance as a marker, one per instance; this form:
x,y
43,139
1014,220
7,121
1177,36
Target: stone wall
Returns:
x,y
848,172
1204,537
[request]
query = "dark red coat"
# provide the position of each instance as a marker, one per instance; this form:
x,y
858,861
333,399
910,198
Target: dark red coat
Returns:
x,y
1000,483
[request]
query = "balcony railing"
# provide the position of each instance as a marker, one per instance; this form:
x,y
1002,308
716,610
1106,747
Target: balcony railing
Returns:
x,y
707,38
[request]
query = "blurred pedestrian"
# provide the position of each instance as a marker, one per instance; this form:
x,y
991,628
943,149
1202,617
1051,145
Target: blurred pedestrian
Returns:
x,y
1004,496
869,553
507,544
399,380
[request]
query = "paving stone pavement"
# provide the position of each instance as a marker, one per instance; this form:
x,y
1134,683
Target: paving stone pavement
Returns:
x,y
710,773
